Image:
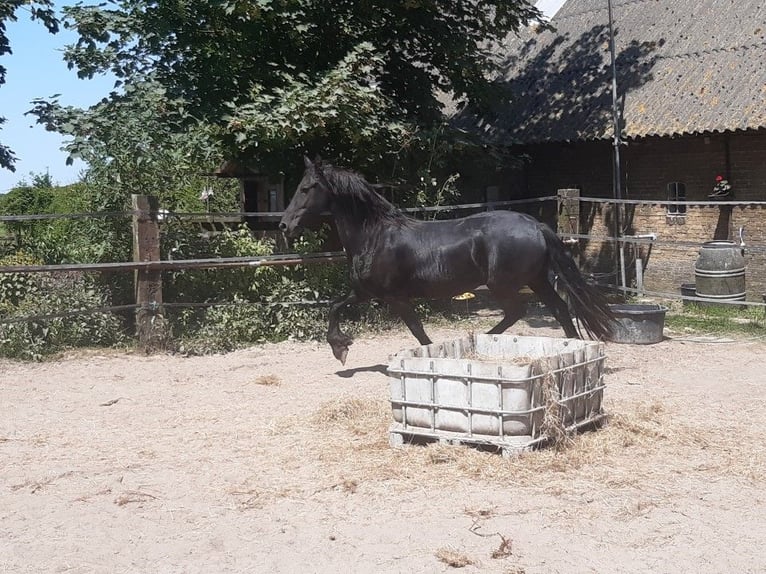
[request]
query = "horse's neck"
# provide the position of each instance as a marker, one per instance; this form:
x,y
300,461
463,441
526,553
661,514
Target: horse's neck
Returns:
x,y
353,234
360,215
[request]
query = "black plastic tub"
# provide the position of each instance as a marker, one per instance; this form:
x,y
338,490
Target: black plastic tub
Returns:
x,y
688,290
639,324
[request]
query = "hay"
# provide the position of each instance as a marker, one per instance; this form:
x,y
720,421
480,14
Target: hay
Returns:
x,y
356,416
268,381
552,426
453,558
256,498
133,497
519,360
505,549
638,435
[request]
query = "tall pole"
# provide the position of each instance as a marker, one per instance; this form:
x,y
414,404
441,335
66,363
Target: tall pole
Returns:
x,y
617,179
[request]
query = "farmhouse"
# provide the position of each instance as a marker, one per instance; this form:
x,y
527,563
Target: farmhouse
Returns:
x,y
691,109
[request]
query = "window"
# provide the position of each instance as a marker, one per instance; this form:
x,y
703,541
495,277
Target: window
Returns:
x,y
676,192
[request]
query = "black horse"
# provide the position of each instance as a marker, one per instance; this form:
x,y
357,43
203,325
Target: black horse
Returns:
x,y
394,258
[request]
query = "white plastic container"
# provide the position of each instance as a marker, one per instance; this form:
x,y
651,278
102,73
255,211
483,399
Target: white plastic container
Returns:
x,y
490,389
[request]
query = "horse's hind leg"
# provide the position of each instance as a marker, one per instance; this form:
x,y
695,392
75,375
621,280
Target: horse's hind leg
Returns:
x,y
406,311
556,304
513,309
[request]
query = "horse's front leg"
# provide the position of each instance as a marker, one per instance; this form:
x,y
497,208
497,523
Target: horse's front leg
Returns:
x,y
339,341
406,311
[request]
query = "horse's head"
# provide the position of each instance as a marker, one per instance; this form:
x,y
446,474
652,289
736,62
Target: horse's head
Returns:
x,y
310,201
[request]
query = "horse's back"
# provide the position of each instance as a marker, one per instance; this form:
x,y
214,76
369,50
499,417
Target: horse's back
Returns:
x,y
514,218
510,228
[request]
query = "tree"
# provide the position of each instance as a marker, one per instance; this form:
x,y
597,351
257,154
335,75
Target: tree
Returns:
x,y
212,53
40,10
138,141
280,74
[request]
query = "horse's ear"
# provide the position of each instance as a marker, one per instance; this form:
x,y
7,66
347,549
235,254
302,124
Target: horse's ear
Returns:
x,y
307,161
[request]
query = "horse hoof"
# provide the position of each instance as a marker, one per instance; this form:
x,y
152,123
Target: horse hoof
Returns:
x,y
341,353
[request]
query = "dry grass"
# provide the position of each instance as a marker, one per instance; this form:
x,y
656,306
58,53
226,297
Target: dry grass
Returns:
x,y
37,485
453,558
360,417
504,550
553,423
350,437
133,497
250,497
268,381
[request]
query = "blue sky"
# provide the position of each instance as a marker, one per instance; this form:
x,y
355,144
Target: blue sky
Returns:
x,y
549,7
37,69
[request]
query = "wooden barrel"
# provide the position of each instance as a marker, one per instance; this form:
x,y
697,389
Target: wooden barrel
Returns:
x,y
720,271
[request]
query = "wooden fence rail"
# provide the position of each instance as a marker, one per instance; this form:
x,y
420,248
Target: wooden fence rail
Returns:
x,y
147,218
178,264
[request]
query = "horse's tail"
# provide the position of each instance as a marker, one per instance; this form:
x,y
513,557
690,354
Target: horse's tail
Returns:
x,y
590,306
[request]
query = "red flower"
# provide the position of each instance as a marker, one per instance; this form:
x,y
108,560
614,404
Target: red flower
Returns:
x,y
719,178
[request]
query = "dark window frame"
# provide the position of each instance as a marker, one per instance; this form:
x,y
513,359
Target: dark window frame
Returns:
x,y
676,192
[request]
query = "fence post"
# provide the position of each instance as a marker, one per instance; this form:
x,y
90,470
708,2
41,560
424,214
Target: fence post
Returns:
x,y
150,322
568,218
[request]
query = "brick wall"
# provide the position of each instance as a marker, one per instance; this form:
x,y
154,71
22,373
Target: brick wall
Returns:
x,y
670,262
648,165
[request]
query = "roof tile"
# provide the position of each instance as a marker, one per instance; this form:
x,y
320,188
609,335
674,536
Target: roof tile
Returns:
x,y
684,66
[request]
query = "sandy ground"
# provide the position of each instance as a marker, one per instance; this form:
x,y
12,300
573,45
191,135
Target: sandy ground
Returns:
x,y
276,459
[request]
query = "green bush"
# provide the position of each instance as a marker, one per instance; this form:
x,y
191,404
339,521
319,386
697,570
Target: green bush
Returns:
x,y
239,307
250,304
181,241
15,287
54,294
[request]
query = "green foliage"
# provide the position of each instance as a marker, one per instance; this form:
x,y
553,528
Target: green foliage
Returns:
x,y
50,294
182,241
426,46
344,114
37,197
429,192
15,287
142,141
249,304
61,240
357,81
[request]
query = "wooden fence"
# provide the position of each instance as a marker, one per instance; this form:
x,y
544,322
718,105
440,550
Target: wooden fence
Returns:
x,y
147,265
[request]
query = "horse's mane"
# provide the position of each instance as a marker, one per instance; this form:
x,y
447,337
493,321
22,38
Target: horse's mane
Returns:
x,y
354,195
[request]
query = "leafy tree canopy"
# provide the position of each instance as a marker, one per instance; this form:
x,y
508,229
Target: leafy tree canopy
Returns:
x,y
138,141
356,79
40,10
213,53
